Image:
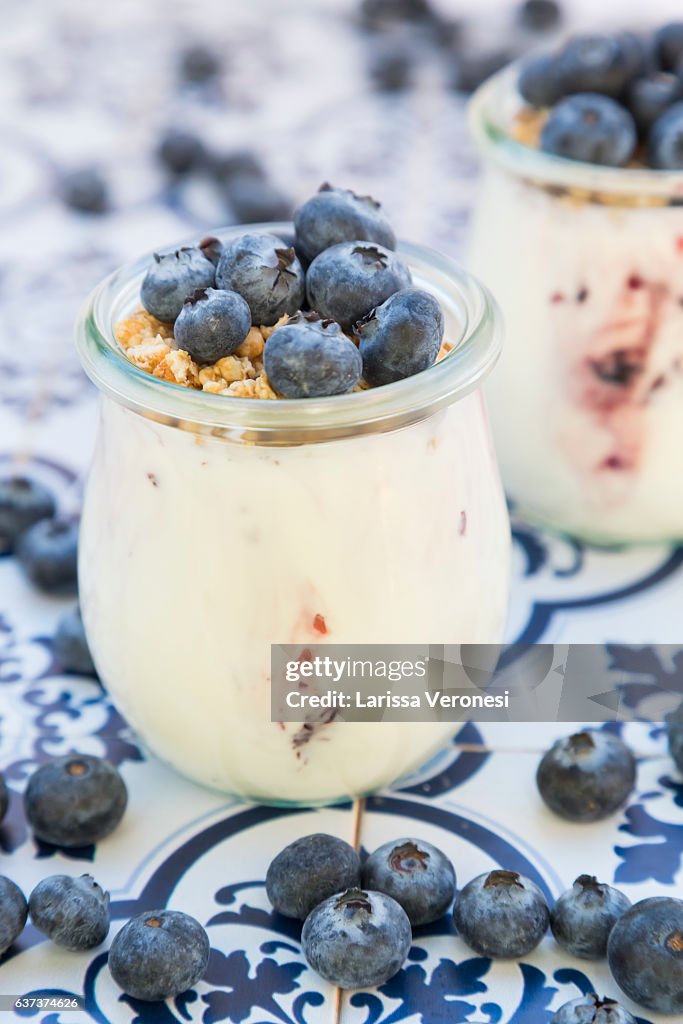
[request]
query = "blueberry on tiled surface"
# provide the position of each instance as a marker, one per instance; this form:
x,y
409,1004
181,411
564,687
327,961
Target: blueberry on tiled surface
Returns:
x,y
212,324
356,939
71,646
591,128
159,954
236,163
378,14
172,278
48,554
75,800
309,358
416,874
589,1009
337,215
587,776
13,912
645,954
665,143
23,502
539,15
391,63
85,190
649,97
265,272
181,151
199,63
310,870
73,912
348,280
501,914
401,337
585,914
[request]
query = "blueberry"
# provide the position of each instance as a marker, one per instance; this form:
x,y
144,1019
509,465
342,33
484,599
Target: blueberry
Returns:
x,y
414,873
540,81
212,324
255,200
13,913
75,800
401,337
237,163
211,248
589,1009
665,144
586,777
73,912
539,15
172,277
309,358
4,797
380,14
472,69
336,215
265,272
501,914
345,282
645,954
392,64
181,151
600,63
668,45
649,97
591,128
356,939
674,730
85,190
310,870
23,502
199,63
584,915
159,954
71,645
48,554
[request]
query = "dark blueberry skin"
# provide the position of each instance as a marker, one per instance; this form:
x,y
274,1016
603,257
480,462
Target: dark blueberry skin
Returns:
x,y
356,939
23,502
586,777
4,797
668,45
310,870
378,15
591,128
172,278
665,144
75,800
86,191
336,215
674,730
73,912
649,98
48,554
472,69
254,200
600,63
13,913
401,337
589,1009
540,81
212,324
71,646
311,358
501,915
645,954
414,873
159,954
238,163
181,152
391,65
347,281
584,915
540,15
266,273
199,64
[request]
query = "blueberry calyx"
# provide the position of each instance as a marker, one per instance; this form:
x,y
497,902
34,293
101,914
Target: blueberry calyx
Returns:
x,y
508,879
326,187
590,883
408,858
674,943
77,768
285,259
580,744
311,317
211,247
371,256
353,899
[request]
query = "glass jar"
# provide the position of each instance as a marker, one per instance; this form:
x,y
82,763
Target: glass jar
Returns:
x,y
587,265
214,527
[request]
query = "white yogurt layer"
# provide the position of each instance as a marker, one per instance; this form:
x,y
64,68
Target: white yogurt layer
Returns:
x,y
197,553
587,401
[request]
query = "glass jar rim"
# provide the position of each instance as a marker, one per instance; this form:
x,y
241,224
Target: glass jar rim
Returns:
x,y
490,111
474,352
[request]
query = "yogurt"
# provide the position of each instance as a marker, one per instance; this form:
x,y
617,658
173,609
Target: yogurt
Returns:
x,y
211,531
587,264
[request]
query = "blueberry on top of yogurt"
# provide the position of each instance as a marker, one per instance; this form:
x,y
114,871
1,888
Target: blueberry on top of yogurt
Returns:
x,y
336,215
309,357
173,277
265,272
348,280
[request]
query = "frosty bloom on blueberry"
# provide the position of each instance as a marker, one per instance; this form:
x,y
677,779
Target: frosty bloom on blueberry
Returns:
x,y
13,912
23,502
308,357
346,281
310,870
501,914
587,776
159,954
401,337
414,873
212,324
75,800
645,954
339,215
584,916
265,272
173,277
73,912
589,1009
